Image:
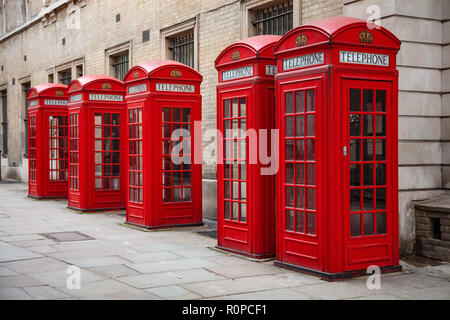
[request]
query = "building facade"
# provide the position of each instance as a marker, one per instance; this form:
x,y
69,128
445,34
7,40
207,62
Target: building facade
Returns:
x,y
59,40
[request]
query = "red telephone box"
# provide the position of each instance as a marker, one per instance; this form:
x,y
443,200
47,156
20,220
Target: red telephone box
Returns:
x,y
337,86
47,141
164,183
97,143
245,101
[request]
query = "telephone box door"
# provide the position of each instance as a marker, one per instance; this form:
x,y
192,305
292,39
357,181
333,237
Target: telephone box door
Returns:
x,y
369,165
301,150
233,174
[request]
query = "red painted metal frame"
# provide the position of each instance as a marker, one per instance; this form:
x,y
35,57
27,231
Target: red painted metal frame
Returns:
x,y
151,211
39,114
255,235
332,253
83,194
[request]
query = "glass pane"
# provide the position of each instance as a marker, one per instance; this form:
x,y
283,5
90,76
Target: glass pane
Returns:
x,y
381,222
381,125
98,119
289,126
368,125
166,114
355,200
177,195
355,225
310,100
381,199
300,222
235,171
227,171
310,125
98,157
98,171
368,224
311,199
289,150
355,125
299,150
243,105
98,183
368,100
299,101
368,200
235,188
381,174
299,126
289,102
116,184
243,189
226,109
290,173
235,211
355,100
243,168
299,173
300,201
235,112
290,197
227,190
187,194
368,175
98,145
116,118
355,175
311,174
107,145
243,212
290,220
310,149
176,115
381,101
381,150
227,210
186,115
368,150
355,150
186,178
167,193
311,220
98,132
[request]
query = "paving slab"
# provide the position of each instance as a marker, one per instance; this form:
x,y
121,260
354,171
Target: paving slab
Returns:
x,y
276,294
13,253
173,292
13,294
36,265
434,293
58,278
96,262
171,265
4,272
18,281
110,290
150,256
114,271
45,293
197,253
244,270
169,278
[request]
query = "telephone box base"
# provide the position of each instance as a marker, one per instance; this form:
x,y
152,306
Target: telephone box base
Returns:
x,y
46,198
250,255
94,210
331,277
172,226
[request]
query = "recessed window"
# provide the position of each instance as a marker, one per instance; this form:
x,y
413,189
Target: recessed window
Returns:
x,y
65,76
275,19
4,122
145,35
436,228
182,48
118,17
79,70
120,65
25,89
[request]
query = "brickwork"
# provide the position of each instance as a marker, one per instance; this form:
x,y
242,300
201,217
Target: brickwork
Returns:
x,y
430,243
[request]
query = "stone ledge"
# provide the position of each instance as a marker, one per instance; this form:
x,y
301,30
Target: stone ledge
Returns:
x,y
439,204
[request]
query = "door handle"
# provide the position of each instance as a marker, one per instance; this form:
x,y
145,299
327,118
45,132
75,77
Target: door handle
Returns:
x,y
344,151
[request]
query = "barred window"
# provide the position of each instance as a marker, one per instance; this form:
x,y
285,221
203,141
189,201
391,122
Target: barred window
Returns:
x,y
65,76
277,19
120,65
182,49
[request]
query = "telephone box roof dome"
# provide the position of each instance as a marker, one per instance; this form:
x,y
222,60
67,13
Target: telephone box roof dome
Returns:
x,y
340,29
258,46
43,88
152,68
89,79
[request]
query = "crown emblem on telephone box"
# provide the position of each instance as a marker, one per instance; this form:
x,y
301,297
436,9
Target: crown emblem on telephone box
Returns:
x,y
106,86
301,40
59,93
175,73
236,55
365,37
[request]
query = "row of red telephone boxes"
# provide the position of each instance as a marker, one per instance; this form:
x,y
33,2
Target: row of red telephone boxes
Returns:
x,y
329,88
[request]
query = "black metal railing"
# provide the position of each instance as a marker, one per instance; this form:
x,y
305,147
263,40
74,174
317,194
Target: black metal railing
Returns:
x,y
277,19
182,49
121,65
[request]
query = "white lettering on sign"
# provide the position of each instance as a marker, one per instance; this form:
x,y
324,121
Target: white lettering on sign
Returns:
x,y
138,88
75,98
105,97
237,73
304,61
56,102
174,87
33,103
372,59
271,70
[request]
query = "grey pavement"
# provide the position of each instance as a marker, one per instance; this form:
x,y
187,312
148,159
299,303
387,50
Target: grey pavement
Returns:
x,y
125,263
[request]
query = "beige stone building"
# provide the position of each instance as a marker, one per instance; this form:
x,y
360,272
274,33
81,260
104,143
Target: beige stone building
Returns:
x,y
59,40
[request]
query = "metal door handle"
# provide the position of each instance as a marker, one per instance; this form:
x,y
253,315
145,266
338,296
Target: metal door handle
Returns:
x,y
344,151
